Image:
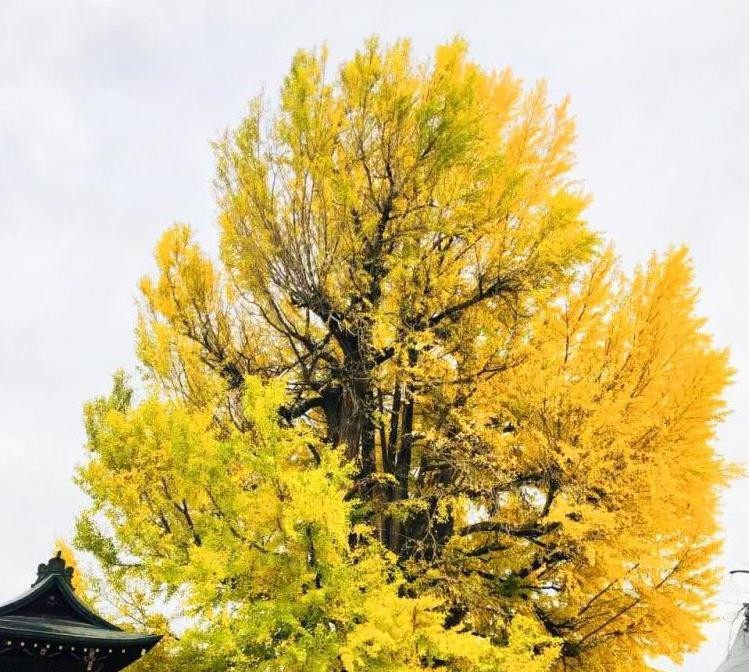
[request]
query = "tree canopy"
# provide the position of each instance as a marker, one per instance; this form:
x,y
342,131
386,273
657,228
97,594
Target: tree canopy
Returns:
x,y
414,415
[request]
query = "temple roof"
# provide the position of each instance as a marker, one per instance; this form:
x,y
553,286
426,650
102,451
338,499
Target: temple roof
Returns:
x,y
49,621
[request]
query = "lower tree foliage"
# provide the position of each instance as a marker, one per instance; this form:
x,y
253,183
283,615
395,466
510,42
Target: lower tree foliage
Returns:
x,y
253,534
416,417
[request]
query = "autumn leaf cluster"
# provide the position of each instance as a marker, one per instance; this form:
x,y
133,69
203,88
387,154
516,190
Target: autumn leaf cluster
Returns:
x,y
414,415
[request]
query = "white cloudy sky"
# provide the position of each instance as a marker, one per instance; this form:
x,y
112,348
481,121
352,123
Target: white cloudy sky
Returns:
x,y
107,110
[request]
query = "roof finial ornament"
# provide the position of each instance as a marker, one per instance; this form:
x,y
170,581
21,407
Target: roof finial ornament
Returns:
x,y
55,566
48,627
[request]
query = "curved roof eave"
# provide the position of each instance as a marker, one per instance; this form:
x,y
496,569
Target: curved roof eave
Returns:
x,y
46,585
61,631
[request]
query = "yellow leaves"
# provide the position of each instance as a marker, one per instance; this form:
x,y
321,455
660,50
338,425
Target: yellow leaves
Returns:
x,y
255,539
216,517
261,403
415,156
187,278
414,418
310,114
404,634
80,584
529,647
581,521
615,402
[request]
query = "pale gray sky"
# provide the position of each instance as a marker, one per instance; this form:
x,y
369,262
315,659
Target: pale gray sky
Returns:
x,y
107,110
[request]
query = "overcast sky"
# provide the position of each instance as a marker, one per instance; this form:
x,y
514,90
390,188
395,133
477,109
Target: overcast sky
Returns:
x,y
106,114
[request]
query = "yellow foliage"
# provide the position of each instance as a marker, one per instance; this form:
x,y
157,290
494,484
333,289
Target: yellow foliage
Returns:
x,y
252,530
80,584
413,417
614,405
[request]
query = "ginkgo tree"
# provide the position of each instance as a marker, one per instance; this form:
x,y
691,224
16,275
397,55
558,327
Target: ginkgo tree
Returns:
x,y
415,416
